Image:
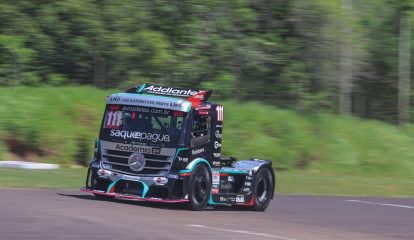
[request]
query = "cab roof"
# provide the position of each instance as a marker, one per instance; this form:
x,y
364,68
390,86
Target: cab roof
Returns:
x,y
192,95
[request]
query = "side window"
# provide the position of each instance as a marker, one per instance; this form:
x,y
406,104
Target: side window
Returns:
x,y
200,132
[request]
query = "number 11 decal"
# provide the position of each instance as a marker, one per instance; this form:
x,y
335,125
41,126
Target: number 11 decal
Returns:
x,y
114,119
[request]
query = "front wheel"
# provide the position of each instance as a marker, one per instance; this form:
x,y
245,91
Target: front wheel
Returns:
x,y
199,188
264,187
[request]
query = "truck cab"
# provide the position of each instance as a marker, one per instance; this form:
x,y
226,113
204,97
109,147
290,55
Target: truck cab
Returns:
x,y
164,144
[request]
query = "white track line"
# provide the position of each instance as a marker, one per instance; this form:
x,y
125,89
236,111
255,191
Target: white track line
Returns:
x,y
242,232
381,204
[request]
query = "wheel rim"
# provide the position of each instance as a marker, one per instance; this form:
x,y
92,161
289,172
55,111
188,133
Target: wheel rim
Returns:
x,y
200,188
262,190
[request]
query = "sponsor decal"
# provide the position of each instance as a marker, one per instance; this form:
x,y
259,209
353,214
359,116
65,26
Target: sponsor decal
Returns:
x,y
223,199
240,199
175,105
247,184
160,111
181,159
136,109
114,107
230,179
216,177
219,126
153,137
149,101
216,164
172,176
156,151
249,178
218,134
114,98
199,95
220,114
145,110
215,191
217,145
197,151
246,189
201,112
204,107
138,149
131,178
169,91
217,155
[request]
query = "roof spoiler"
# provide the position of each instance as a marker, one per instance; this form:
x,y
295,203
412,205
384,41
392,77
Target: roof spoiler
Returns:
x,y
192,95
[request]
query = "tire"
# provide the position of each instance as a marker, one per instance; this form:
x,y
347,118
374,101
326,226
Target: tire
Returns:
x,y
103,197
263,189
199,188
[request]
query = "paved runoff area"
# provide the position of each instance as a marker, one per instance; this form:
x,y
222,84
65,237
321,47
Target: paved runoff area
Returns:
x,y
70,214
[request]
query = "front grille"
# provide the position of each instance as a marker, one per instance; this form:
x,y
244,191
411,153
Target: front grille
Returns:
x,y
157,165
129,188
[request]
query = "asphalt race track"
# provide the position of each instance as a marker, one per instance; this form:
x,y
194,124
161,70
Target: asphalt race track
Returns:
x,y
70,214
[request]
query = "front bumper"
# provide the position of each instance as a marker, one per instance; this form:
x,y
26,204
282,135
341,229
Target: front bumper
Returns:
x,y
133,198
170,188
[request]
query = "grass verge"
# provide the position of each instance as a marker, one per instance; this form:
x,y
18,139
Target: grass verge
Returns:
x,y
58,178
307,183
291,182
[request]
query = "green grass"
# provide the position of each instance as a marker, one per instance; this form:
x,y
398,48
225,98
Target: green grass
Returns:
x,y
322,143
71,178
307,183
57,121
292,182
53,120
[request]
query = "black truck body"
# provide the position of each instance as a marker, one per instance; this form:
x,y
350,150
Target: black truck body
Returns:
x,y
164,144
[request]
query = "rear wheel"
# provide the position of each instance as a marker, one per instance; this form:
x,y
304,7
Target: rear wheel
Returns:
x,y
264,187
199,188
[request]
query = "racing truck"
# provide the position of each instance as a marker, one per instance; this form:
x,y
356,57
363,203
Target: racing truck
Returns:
x,y
163,144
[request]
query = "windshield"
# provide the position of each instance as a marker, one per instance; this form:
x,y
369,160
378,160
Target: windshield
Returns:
x,y
142,125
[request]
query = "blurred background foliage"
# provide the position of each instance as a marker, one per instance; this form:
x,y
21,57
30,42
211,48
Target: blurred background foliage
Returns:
x,y
296,56
283,52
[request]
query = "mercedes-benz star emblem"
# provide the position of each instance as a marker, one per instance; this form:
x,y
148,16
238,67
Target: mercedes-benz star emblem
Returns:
x,y
136,162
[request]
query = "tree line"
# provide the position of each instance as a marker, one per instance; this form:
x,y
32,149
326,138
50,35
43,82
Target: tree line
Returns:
x,y
351,57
